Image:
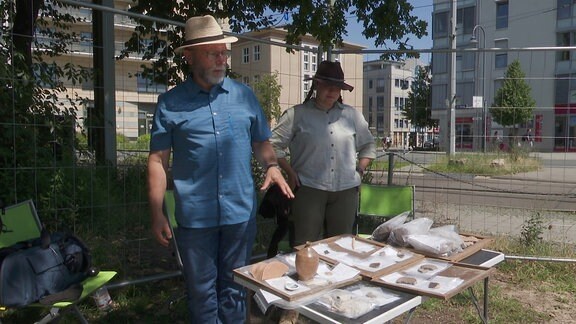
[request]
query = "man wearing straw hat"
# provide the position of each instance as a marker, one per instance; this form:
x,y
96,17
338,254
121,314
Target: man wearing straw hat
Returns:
x,y
212,124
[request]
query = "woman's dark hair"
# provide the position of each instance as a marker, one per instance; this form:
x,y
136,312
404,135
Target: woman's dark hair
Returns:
x,y
311,91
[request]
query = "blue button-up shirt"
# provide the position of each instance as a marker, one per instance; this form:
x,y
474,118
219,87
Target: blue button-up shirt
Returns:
x,y
211,136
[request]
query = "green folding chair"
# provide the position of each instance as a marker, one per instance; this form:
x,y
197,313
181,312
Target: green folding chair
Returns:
x,y
170,212
379,203
20,222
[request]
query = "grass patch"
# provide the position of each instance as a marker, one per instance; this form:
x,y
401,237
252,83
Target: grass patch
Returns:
x,y
382,165
489,164
511,285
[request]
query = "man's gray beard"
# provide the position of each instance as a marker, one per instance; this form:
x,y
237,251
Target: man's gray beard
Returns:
x,y
211,79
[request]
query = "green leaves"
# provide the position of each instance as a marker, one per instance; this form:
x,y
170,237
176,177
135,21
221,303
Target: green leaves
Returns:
x,y
513,103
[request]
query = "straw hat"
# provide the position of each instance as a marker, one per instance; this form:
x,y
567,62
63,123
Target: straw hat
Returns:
x,y
204,30
331,72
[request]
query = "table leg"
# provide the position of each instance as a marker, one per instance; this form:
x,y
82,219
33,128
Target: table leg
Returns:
x,y
486,300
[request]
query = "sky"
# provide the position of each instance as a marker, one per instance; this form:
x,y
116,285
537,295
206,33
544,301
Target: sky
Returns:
x,y
422,9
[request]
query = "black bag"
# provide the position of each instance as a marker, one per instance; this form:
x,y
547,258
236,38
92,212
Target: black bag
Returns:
x,y
275,203
48,269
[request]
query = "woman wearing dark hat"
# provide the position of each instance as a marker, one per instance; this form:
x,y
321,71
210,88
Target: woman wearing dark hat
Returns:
x,y
329,146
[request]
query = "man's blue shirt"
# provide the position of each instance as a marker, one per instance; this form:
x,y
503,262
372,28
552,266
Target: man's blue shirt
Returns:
x,y
211,136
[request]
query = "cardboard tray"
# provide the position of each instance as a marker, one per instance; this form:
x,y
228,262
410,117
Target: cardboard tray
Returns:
x,y
366,253
482,242
244,277
466,274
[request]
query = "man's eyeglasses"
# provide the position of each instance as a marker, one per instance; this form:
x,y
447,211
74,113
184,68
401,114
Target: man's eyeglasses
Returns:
x,y
213,55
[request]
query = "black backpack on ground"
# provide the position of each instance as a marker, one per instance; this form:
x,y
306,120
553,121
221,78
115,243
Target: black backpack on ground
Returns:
x,y
47,270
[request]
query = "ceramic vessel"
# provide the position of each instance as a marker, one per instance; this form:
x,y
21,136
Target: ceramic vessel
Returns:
x,y
307,260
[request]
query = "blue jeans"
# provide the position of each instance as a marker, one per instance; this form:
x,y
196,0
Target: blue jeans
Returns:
x,y
209,255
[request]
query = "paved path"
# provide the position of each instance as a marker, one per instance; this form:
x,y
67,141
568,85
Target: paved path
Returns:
x,y
559,168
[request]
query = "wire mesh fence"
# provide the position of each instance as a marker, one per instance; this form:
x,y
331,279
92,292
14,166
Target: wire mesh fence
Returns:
x,y
53,142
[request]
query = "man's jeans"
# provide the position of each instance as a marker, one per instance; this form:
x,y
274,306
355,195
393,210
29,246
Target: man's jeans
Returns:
x,y
209,255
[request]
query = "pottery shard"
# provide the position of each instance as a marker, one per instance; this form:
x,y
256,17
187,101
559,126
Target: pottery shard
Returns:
x,y
406,280
274,269
256,270
433,285
265,271
427,268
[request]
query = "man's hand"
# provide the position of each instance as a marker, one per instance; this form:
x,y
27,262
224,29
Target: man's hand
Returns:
x,y
161,230
273,175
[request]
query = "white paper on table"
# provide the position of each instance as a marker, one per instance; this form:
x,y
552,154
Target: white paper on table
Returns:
x,y
352,244
325,250
376,295
413,271
445,284
280,284
392,253
373,263
339,273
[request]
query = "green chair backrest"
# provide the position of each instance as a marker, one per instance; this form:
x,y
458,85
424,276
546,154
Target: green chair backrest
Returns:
x,y
20,223
170,207
170,210
386,201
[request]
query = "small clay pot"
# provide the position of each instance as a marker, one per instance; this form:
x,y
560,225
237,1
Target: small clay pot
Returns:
x,y
307,260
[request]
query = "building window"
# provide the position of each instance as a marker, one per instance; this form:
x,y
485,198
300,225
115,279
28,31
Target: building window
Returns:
x,y
256,78
501,59
502,14
246,80
314,63
146,84
440,25
86,42
565,89
564,9
397,83
465,19
256,53
563,39
404,84
439,63
246,55
306,60
370,111
381,84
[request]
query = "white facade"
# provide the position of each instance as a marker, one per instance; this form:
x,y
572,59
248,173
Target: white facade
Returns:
x,y
252,58
386,89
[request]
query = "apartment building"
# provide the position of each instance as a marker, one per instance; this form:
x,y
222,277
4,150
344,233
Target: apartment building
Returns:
x,y
386,88
135,95
514,27
262,52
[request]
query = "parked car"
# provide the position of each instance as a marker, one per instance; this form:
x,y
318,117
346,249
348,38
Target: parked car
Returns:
x,y
431,143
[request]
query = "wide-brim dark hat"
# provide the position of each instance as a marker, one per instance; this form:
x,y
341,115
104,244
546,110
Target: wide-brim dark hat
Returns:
x,y
331,72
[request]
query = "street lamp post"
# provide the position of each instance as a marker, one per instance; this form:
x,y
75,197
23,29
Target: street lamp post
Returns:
x,y
474,40
414,133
